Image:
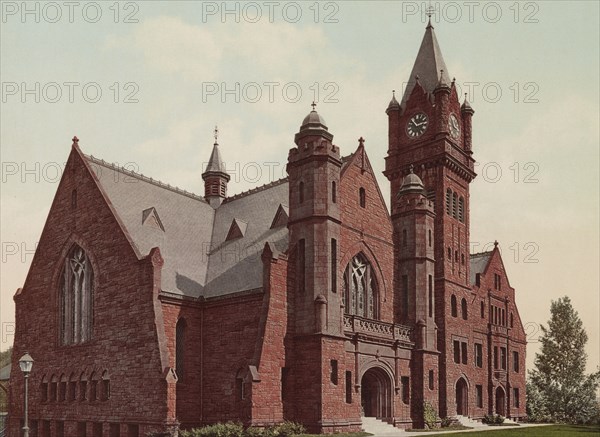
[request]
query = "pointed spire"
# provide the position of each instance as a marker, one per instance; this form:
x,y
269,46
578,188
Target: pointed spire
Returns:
x,y
466,107
394,105
215,163
428,65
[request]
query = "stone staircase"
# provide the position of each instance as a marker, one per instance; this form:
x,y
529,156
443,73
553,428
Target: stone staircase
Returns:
x,y
379,427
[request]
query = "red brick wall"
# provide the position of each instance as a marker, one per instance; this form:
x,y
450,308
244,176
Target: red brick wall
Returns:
x,y
124,316
366,229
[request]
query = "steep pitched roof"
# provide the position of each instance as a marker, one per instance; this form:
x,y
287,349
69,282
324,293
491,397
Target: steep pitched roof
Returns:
x,y
479,262
427,66
215,163
236,265
187,221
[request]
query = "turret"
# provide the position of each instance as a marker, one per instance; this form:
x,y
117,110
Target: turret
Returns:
x,y
467,115
314,174
215,177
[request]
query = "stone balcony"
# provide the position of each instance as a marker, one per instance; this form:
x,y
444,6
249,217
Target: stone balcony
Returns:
x,y
377,329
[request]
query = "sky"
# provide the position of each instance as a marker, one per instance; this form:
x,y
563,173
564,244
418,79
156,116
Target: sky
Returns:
x,y
143,84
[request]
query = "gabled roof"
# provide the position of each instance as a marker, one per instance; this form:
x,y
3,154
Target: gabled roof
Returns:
x,y
479,262
281,216
427,66
236,265
186,218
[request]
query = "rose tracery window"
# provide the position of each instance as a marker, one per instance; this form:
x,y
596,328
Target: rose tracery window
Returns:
x,y
360,288
76,298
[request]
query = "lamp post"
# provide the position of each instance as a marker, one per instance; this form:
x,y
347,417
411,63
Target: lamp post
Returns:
x,y
26,363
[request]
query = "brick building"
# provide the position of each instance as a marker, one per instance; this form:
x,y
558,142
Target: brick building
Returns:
x,y
147,307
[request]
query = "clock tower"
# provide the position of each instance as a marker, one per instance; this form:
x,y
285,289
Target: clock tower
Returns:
x,y
430,132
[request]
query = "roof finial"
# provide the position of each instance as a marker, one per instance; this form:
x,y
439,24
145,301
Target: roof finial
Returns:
x,y
429,12
216,134
495,243
394,93
314,105
411,168
361,141
75,140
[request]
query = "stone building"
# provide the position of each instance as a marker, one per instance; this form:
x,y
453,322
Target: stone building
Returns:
x,y
147,307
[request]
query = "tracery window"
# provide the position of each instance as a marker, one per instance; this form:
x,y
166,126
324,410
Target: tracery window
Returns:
x,y
76,298
360,288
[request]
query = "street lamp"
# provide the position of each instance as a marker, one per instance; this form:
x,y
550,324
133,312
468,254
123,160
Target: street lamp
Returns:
x,y
26,363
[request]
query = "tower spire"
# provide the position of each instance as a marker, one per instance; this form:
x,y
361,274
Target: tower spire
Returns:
x,y
215,177
428,64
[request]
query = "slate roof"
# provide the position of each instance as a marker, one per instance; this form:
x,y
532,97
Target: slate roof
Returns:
x,y
479,262
215,163
198,260
427,66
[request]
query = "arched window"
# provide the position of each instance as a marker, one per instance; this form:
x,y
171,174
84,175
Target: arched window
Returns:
x,y
62,388
430,238
333,192
453,306
360,288
179,349
94,387
463,308
44,388
454,204
76,298
362,196
461,210
105,388
72,387
301,192
83,387
449,201
53,388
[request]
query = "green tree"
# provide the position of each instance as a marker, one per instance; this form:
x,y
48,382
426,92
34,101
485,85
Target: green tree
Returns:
x,y
558,389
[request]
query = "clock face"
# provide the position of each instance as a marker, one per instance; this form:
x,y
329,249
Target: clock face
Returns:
x,y
453,127
417,125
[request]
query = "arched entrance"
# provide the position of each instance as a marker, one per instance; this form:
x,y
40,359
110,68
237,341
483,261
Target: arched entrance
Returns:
x,y
462,397
500,401
376,393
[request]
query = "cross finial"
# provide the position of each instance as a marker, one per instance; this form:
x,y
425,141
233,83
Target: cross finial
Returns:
x,y
429,12
495,243
75,140
361,141
216,134
314,105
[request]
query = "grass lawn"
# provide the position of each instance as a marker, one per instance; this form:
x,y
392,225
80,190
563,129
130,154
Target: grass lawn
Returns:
x,y
538,431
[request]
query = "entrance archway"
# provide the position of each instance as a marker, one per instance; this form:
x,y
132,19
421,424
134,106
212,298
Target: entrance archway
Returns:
x,y
376,393
500,401
462,397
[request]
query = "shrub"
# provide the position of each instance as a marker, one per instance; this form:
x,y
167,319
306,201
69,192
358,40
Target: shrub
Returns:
x,y
446,422
429,415
228,429
493,419
287,429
